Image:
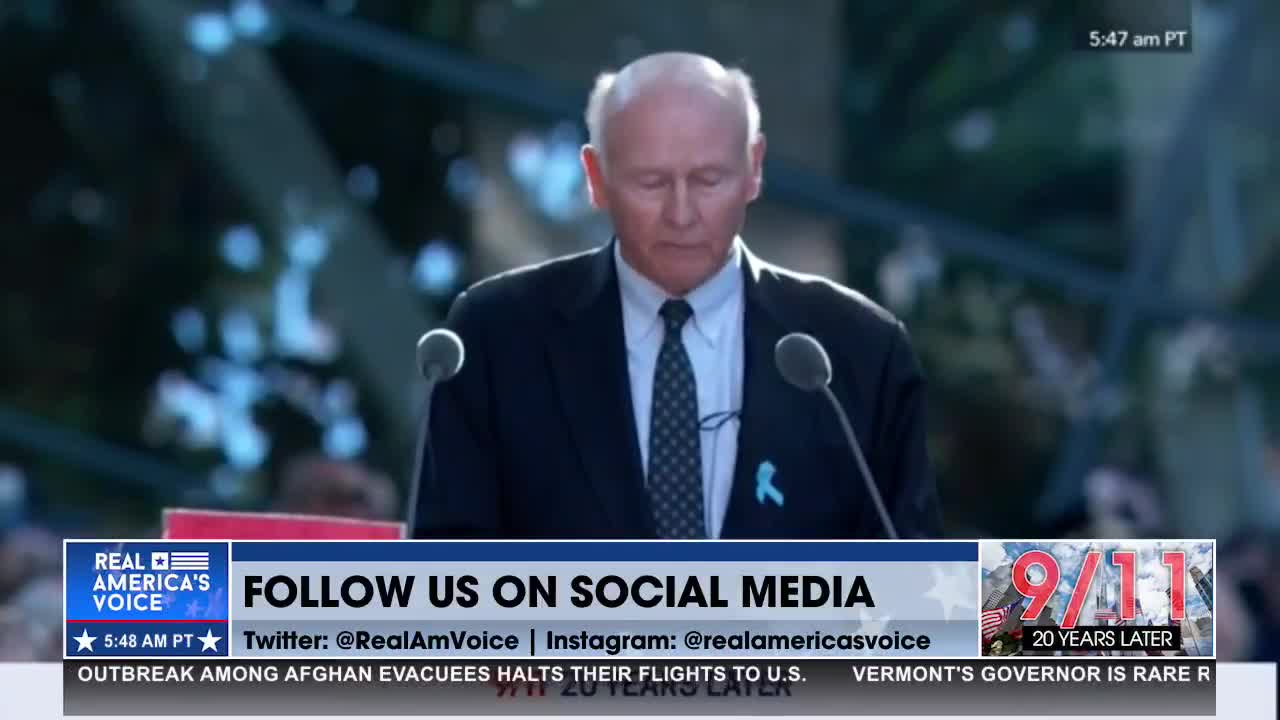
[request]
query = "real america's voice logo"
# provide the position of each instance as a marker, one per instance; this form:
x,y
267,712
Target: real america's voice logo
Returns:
x,y
124,581
146,599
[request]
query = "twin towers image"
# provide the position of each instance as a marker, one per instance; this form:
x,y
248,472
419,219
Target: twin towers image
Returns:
x,y
1143,570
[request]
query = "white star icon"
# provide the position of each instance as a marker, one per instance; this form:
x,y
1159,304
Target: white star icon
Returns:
x,y
869,625
209,641
84,641
951,590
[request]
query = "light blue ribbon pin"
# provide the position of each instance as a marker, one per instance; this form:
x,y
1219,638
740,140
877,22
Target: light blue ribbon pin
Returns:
x,y
764,484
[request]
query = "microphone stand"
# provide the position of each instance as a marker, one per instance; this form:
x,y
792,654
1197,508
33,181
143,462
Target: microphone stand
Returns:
x,y
862,463
424,454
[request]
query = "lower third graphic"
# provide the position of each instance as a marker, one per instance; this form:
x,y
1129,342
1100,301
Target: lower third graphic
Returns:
x,y
146,599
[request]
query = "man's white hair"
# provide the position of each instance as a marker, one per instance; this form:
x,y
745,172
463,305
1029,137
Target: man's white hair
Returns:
x,y
733,82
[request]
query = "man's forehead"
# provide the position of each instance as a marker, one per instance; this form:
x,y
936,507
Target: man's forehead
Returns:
x,y
643,158
678,111
693,101
668,73
660,125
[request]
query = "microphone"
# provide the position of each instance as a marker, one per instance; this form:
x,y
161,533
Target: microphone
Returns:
x,y
804,363
440,356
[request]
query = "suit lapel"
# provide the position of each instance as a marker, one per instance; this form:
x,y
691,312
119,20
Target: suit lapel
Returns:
x,y
771,409
589,366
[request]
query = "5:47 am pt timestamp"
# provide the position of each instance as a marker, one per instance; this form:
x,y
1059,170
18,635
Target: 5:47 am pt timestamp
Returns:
x,y
1119,39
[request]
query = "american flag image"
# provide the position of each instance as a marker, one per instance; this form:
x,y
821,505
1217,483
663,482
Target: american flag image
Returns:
x,y
189,560
993,619
1104,614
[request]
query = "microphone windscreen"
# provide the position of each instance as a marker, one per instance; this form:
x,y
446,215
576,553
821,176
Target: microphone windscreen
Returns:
x,y
803,361
440,354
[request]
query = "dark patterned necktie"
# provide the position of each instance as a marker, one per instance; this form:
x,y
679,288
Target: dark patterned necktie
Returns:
x,y
675,453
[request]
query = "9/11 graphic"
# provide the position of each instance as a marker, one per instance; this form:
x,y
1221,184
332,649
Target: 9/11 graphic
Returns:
x,y
1104,597
146,599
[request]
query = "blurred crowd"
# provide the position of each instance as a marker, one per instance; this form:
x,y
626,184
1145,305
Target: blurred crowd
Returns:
x,y
1119,506
31,555
30,595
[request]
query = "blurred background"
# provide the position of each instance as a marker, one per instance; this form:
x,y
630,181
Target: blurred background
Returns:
x,y
226,224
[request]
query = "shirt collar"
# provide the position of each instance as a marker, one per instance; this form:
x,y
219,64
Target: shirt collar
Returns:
x,y
713,301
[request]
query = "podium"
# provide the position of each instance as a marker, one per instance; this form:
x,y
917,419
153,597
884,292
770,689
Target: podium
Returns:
x,y
193,524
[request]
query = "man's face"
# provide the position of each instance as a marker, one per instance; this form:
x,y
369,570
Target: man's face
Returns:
x,y
677,184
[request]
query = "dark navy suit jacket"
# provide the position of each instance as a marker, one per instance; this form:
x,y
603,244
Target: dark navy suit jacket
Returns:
x,y
535,437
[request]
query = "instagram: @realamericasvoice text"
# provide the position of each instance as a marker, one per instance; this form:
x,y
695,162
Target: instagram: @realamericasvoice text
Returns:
x,y
430,641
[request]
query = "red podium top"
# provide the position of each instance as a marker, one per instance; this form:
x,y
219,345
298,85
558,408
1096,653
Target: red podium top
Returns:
x,y
185,524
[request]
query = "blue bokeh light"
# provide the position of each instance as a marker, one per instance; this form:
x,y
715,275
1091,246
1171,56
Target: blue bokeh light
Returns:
x,y
241,340
250,18
548,170
242,248
307,245
245,444
437,268
463,181
189,329
345,438
210,32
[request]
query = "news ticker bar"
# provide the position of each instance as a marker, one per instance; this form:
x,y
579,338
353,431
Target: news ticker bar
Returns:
x,y
510,600
995,687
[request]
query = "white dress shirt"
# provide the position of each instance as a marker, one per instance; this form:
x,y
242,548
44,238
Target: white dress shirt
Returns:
x,y
713,340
